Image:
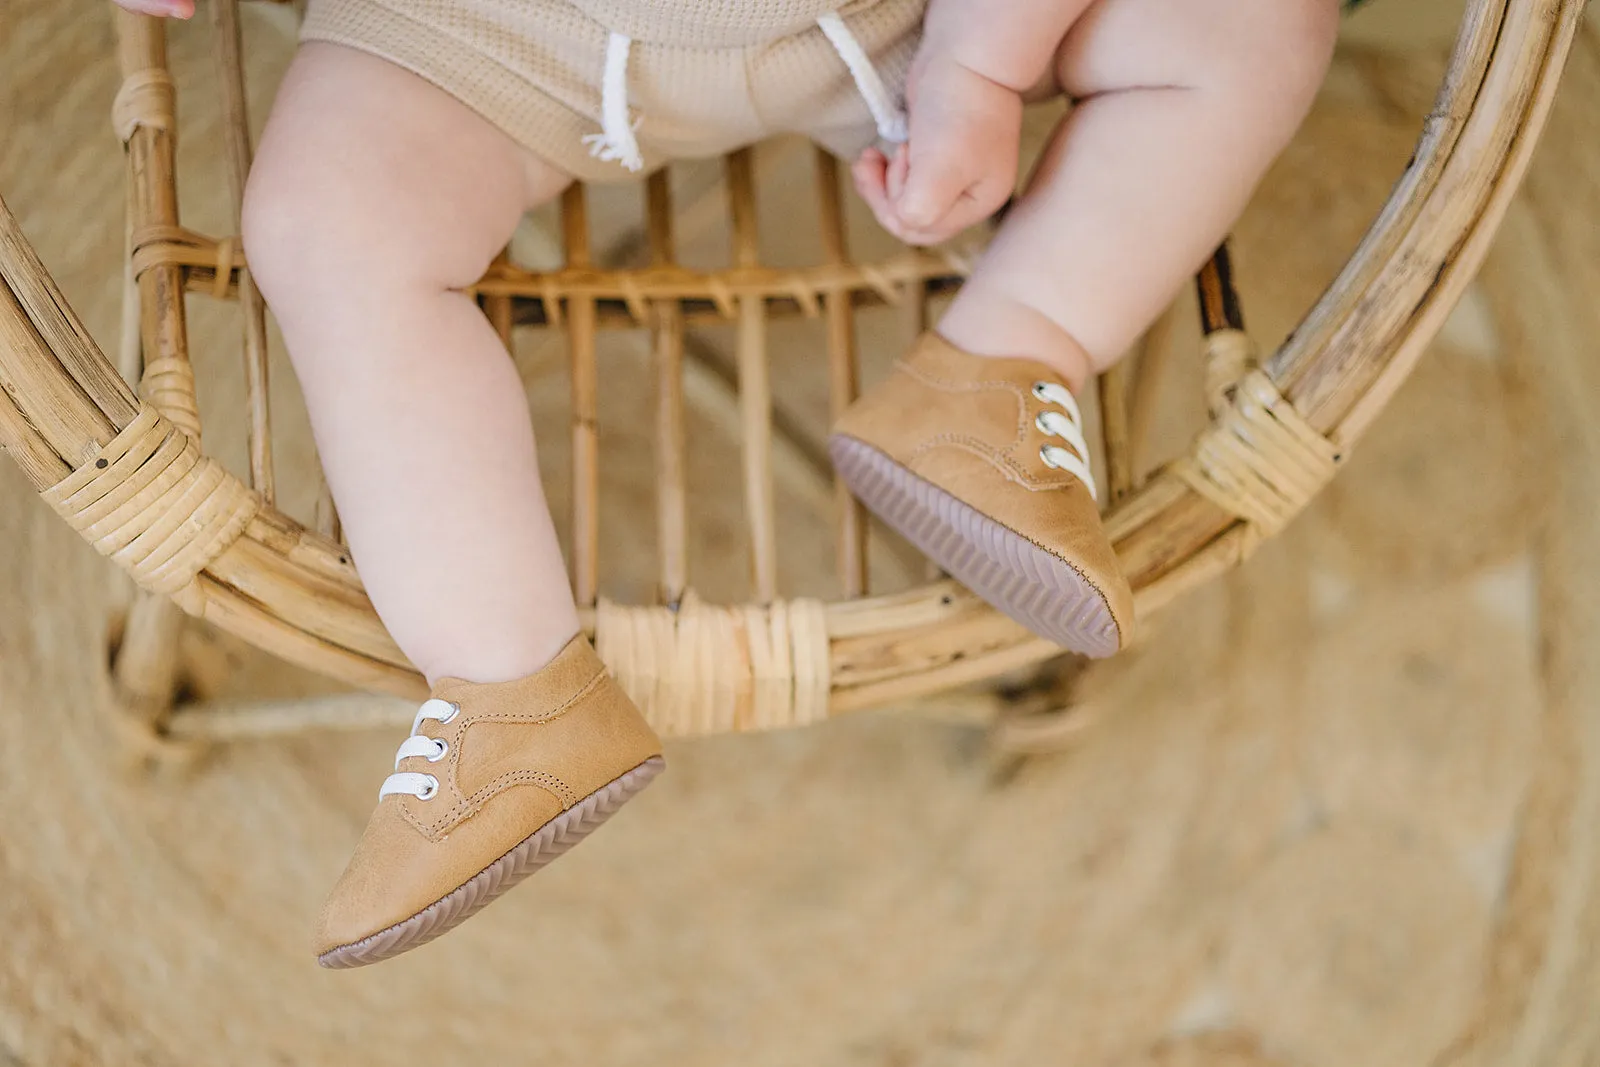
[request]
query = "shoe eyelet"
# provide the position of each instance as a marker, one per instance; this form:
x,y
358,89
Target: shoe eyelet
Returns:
x,y
432,789
455,709
441,750
1039,424
1040,392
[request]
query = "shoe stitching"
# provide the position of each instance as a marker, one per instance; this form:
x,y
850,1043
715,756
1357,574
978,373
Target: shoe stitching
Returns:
x,y
1022,395
507,719
1001,460
468,806
933,381
997,385
547,716
988,385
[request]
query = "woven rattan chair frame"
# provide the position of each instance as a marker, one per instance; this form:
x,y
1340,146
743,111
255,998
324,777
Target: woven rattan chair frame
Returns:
x,y
126,467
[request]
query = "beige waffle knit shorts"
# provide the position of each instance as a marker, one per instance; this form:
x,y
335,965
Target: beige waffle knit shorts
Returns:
x,y
701,77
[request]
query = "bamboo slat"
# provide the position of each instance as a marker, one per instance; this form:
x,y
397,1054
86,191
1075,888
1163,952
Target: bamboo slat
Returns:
x,y
706,294
228,52
19,436
1474,194
666,328
1432,233
581,335
755,390
58,411
150,639
1153,361
144,113
228,610
902,689
850,531
34,292
343,615
325,517
803,286
1475,48
1220,308
1229,353
150,132
1113,385
38,461
499,309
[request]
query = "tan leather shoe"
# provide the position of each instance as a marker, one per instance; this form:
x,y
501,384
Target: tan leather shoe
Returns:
x,y
981,464
494,782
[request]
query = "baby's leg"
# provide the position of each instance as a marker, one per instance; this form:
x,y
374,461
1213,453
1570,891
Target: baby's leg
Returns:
x,y
1181,107
376,196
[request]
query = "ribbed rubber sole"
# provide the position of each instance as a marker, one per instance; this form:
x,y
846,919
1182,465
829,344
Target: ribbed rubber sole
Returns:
x,y
1038,589
537,849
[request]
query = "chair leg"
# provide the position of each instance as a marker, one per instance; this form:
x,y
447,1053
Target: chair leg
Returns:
x,y
146,678
1043,715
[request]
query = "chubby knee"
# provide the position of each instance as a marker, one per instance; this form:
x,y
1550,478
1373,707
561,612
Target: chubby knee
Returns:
x,y
311,231
296,236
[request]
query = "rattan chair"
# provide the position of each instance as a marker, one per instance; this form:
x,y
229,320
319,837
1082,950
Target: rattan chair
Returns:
x,y
126,467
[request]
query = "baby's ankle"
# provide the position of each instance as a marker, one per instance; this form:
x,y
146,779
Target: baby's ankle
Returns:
x,y
999,327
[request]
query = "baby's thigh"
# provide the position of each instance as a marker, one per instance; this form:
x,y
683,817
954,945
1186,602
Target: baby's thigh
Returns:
x,y
1266,53
366,170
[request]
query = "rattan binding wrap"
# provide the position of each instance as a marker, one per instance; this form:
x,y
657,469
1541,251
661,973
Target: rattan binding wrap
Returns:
x,y
147,98
153,504
705,669
1259,460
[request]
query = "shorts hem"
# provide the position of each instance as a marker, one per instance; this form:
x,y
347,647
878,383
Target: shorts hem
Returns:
x,y
543,126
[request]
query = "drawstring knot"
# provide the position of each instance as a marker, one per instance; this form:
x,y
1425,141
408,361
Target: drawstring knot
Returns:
x,y
886,111
615,143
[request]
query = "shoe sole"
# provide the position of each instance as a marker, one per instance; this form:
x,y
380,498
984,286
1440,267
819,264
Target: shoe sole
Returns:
x,y
1035,587
537,849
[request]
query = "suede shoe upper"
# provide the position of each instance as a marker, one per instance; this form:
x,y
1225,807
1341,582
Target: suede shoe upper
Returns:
x,y
971,426
517,754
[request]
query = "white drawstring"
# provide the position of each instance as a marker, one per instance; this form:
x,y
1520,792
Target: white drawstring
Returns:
x,y
886,111
615,142
1069,428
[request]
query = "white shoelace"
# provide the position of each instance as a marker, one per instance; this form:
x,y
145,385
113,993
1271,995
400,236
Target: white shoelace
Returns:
x,y
1069,428
432,749
616,142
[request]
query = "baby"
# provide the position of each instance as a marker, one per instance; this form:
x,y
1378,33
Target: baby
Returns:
x,y
411,135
